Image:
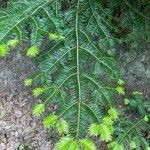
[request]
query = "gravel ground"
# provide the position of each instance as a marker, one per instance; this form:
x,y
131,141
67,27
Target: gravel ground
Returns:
x,y
18,128
135,68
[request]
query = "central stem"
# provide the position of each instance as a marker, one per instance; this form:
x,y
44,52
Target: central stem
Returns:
x,y
78,71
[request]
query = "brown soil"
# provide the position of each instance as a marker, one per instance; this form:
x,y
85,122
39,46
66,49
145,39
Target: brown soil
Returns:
x,y
18,128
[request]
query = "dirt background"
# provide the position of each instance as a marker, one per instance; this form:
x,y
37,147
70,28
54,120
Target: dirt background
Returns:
x,y
18,128
135,68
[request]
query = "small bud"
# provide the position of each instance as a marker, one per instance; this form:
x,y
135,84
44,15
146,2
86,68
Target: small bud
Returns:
x,y
38,109
50,121
13,43
120,82
133,145
146,118
56,37
37,92
113,113
107,120
61,37
137,93
53,36
32,51
147,148
28,82
62,126
3,50
120,90
126,101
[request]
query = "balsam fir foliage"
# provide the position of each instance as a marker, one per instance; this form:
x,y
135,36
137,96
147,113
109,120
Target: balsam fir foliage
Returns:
x,y
77,71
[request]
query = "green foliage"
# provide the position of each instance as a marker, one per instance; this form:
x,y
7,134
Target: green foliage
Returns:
x,y
55,37
106,132
3,50
67,143
76,71
88,144
136,102
32,51
106,128
132,129
113,113
126,101
147,148
37,91
116,146
120,90
146,118
28,82
13,43
108,120
94,129
62,126
120,82
50,121
133,145
38,109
